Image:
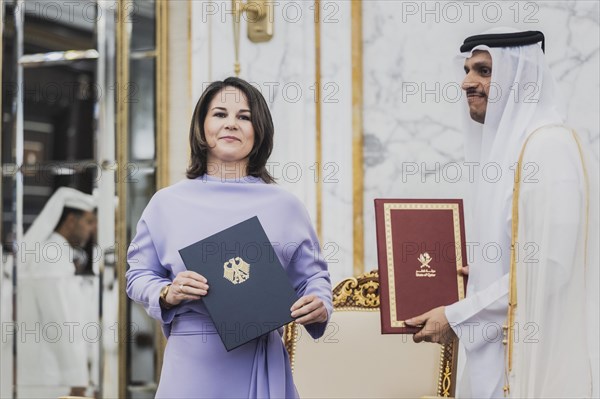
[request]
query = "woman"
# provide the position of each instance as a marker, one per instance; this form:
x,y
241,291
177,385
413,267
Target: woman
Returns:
x,y
231,138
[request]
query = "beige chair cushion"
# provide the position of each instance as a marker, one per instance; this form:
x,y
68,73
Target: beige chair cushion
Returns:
x,y
354,360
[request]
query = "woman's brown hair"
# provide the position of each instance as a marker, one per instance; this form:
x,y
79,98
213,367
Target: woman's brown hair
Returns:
x,y
260,116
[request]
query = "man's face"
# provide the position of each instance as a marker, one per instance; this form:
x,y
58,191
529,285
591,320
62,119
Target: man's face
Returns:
x,y
478,70
82,228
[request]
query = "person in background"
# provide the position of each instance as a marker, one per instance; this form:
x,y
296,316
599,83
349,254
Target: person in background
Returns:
x,y
53,356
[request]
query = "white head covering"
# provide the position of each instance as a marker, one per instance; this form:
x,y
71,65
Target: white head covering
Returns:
x,y
46,221
522,98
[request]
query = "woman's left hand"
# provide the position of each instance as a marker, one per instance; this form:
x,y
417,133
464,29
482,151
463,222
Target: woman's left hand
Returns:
x,y
309,309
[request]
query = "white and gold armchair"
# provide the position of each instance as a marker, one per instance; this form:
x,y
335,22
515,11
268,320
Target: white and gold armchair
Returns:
x,y
354,360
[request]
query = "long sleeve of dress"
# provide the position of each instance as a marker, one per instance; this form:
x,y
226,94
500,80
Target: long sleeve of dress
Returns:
x,y
146,276
311,271
309,274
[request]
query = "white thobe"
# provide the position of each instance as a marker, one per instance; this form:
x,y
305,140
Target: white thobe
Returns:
x,y
52,348
551,354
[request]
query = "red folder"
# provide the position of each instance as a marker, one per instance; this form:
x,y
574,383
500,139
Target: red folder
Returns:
x,y
420,249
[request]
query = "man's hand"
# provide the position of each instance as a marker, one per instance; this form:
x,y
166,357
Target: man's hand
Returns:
x,y
435,327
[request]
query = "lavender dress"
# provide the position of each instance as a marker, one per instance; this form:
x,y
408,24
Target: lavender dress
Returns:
x,y
196,364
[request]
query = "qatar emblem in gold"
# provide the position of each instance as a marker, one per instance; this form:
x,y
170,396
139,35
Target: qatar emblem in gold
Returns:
x,y
425,270
236,270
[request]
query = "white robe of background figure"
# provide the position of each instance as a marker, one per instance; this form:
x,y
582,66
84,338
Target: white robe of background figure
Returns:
x,y
52,305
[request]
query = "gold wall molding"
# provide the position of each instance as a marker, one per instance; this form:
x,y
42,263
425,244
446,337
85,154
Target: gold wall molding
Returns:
x,y
318,119
162,94
122,132
357,138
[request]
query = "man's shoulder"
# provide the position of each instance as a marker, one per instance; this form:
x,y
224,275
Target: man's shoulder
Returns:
x,y
552,136
55,257
554,141
555,152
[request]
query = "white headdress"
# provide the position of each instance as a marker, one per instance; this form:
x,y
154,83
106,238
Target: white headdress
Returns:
x,y
46,221
522,98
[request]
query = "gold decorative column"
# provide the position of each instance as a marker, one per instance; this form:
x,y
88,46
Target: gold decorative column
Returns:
x,y
357,138
162,94
162,131
122,131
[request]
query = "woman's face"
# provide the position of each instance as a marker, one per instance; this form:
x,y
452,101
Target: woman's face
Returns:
x,y
228,129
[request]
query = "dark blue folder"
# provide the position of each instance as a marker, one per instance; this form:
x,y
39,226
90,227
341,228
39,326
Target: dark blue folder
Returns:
x,y
250,293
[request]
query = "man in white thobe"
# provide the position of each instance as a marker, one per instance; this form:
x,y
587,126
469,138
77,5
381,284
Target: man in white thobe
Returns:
x,y
52,350
512,99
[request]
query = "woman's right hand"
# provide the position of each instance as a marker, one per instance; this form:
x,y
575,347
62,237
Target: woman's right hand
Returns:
x,y
187,285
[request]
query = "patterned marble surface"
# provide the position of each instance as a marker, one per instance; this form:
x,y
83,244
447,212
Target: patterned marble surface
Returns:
x,y
336,80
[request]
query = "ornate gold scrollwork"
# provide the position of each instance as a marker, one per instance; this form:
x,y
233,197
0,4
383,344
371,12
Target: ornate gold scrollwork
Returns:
x,y
446,380
360,292
290,337
447,377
